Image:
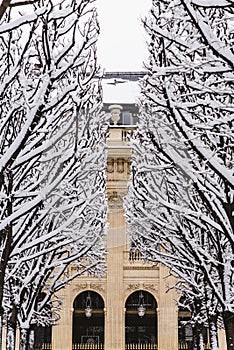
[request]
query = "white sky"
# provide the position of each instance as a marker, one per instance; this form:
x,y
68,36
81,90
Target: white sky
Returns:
x,y
122,44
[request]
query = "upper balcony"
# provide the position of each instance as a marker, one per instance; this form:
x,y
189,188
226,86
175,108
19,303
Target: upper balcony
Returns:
x,y
123,114
123,120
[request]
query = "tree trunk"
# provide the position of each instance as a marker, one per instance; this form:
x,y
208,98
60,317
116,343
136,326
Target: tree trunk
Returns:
x,y
10,338
31,339
194,344
1,328
5,241
213,333
200,338
24,338
228,318
6,237
11,329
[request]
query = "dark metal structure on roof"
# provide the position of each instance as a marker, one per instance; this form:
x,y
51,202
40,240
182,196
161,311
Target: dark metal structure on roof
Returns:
x,y
129,111
131,76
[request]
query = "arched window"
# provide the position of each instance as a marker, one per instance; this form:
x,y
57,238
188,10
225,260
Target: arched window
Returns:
x,y
186,331
88,319
141,319
43,334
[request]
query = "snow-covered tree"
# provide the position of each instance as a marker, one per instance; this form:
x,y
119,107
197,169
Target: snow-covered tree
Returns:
x,y
181,197
157,199
52,168
68,232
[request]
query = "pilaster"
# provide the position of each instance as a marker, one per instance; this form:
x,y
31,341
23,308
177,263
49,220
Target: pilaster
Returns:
x,y
167,313
116,241
62,332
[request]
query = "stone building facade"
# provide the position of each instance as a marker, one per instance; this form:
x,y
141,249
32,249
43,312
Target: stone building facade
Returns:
x,y
130,307
127,275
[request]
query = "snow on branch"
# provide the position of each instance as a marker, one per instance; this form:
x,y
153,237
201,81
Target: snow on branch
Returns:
x,y
180,201
52,141
212,3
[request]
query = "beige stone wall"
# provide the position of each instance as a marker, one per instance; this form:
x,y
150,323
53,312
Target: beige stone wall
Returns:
x,y
123,276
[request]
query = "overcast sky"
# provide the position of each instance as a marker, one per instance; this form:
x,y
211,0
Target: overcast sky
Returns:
x,y
121,44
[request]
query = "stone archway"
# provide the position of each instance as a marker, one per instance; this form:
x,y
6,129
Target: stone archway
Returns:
x,y
186,332
88,320
43,334
141,320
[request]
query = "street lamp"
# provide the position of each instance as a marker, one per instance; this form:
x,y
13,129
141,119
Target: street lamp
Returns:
x,y
88,307
141,308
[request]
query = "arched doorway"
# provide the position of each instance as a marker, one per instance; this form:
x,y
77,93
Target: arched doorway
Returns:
x,y
88,320
43,334
141,320
186,330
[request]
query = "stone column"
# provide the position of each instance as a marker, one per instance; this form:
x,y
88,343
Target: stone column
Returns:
x,y
114,322
222,339
62,332
167,315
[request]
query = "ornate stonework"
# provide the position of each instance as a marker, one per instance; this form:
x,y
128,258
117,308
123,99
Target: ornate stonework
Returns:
x,y
131,266
128,167
150,287
97,286
80,286
83,286
115,200
110,165
132,286
120,165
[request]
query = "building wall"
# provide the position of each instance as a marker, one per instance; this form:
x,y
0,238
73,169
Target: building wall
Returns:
x,y
124,276
126,273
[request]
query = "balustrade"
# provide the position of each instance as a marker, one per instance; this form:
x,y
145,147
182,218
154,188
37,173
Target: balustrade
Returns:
x,y
130,346
46,346
149,346
87,346
187,346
